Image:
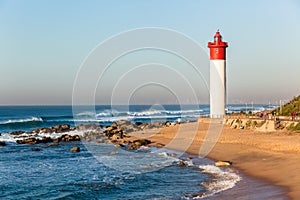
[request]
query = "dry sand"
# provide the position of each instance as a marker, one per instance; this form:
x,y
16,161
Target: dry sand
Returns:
x,y
274,157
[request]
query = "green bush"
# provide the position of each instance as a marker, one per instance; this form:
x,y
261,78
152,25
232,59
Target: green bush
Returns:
x,y
297,127
254,124
248,123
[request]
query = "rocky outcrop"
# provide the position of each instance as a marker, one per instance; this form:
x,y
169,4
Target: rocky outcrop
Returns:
x,y
116,133
17,132
63,138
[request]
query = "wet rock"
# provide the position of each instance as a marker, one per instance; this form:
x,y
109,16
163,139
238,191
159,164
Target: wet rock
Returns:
x,y
181,163
138,123
69,138
75,149
131,147
113,152
56,140
223,163
35,149
28,141
17,132
142,142
45,140
52,144
65,127
2,143
46,130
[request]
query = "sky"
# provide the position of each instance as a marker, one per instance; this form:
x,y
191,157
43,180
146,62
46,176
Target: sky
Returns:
x,y
44,44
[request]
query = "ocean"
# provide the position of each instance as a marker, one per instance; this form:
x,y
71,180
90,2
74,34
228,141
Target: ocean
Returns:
x,y
53,172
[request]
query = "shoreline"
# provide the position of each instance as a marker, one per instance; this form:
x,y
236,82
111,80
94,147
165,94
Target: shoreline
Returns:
x,y
264,159
272,158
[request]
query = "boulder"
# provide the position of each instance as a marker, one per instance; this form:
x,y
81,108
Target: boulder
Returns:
x,y
181,163
65,127
75,149
138,123
46,130
142,142
131,147
223,163
2,143
167,124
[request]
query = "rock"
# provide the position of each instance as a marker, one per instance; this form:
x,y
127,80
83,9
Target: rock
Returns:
x,y
143,126
138,123
223,163
69,138
119,145
131,147
114,125
35,149
173,155
181,163
53,144
114,138
65,127
2,143
189,158
142,142
138,143
46,140
46,130
113,152
28,141
56,140
123,122
167,124
75,149
17,132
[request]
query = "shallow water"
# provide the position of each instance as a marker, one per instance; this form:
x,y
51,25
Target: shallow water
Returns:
x,y
42,172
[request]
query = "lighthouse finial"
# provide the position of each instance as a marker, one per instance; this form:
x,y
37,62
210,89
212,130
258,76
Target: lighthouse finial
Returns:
x,y
218,30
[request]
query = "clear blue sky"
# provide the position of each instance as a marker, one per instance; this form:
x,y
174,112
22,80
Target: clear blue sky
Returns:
x,y
43,43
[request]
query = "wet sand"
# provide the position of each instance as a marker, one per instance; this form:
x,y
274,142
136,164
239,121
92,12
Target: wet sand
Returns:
x,y
269,162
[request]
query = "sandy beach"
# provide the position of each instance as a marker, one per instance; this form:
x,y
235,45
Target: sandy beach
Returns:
x,y
270,157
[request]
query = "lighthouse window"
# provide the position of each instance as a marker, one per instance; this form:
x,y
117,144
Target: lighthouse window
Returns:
x,y
217,50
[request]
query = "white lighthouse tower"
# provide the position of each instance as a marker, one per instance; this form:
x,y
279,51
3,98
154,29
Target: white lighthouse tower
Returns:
x,y
217,76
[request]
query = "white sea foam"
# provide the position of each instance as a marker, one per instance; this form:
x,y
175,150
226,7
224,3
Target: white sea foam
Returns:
x,y
5,137
224,179
29,119
85,114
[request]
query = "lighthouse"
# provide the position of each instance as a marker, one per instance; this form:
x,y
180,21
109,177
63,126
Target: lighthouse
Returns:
x,y
217,76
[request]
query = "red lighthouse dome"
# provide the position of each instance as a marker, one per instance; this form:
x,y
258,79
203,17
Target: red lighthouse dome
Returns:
x,y
217,48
